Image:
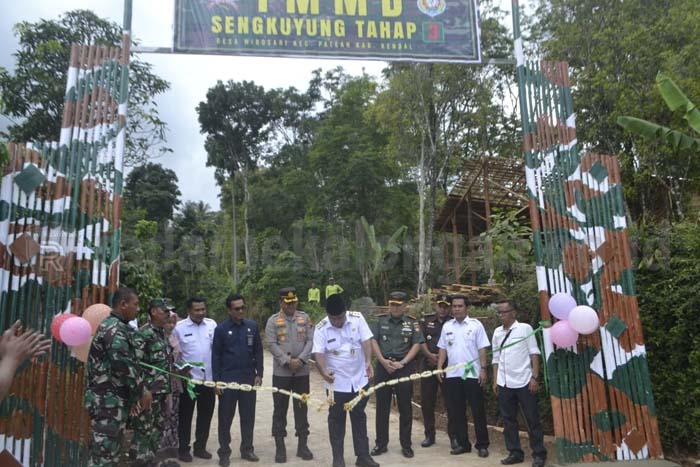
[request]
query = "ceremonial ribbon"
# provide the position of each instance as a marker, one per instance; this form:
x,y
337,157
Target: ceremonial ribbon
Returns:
x,y
469,369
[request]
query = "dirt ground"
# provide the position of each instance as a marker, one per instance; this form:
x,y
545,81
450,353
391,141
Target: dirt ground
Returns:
x,y
438,454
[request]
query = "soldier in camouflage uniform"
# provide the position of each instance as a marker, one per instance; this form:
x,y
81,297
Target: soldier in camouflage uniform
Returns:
x,y
115,382
153,348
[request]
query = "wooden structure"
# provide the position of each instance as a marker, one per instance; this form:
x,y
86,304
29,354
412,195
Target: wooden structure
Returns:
x,y
486,184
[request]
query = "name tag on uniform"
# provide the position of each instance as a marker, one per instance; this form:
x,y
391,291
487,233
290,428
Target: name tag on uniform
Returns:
x,y
188,335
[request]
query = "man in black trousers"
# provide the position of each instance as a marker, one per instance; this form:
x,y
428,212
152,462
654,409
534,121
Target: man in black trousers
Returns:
x,y
237,357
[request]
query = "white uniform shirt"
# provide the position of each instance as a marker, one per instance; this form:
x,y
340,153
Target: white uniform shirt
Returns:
x,y
514,365
462,342
342,348
195,343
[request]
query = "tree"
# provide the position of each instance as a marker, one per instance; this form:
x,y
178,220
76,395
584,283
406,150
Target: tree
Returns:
x,y
153,188
34,93
436,115
615,50
678,141
236,118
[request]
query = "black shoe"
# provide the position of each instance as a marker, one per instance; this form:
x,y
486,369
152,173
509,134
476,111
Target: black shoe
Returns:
x,y
185,457
378,450
304,452
280,451
453,443
427,442
338,462
513,459
224,461
202,453
250,456
366,461
460,450
407,452
483,452
538,461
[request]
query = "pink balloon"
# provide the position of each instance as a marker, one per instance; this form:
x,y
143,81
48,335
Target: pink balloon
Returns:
x,y
561,304
95,314
584,319
562,334
75,331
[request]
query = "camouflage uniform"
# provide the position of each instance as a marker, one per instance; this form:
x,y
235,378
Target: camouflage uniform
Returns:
x,y
114,385
152,347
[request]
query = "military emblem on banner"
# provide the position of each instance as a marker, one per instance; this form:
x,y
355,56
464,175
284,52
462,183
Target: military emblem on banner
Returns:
x,y
432,8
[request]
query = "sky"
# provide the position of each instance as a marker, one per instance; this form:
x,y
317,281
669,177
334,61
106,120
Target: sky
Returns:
x,y
190,77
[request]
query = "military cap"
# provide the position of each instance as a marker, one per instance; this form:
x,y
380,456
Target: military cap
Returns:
x,y
335,305
397,298
442,299
159,303
288,295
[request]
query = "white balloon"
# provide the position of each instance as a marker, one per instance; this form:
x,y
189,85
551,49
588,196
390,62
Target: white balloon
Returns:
x,y
584,319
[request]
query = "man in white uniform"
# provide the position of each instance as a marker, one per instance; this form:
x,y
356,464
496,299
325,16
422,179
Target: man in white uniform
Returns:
x,y
515,371
195,335
343,353
464,340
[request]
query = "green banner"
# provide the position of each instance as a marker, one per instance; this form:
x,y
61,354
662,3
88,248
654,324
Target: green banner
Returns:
x,y
416,30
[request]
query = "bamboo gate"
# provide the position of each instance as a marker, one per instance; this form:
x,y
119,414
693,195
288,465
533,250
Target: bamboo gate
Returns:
x,y
60,206
602,402
60,209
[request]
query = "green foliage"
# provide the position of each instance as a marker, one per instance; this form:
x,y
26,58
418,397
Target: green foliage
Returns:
x,y
34,92
669,305
615,50
4,154
154,189
144,280
508,246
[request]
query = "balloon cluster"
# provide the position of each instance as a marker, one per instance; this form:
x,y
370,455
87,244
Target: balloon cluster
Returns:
x,y
573,320
77,331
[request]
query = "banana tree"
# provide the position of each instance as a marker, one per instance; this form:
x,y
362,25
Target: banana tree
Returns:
x,y
678,141
372,260
675,100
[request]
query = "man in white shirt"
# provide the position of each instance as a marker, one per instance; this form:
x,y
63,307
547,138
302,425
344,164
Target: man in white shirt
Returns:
x,y
515,371
343,353
464,340
195,335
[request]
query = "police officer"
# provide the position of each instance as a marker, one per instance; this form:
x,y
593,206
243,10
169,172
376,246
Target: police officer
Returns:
x,y
397,339
343,352
115,386
431,328
237,356
289,336
153,348
332,288
464,340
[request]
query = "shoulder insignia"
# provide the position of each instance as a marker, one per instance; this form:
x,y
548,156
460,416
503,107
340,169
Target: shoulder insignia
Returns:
x,y
429,315
356,314
322,323
409,317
